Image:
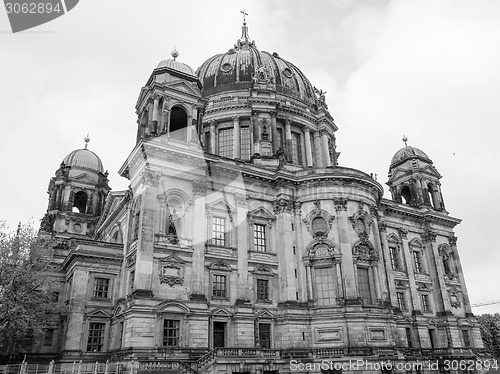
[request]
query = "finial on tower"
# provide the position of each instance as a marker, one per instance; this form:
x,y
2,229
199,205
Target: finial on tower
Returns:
x,y
405,139
86,140
244,42
175,54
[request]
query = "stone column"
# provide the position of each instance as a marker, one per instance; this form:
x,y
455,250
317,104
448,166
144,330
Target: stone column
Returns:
x,y
453,243
212,137
155,114
167,121
163,121
420,192
236,137
288,139
256,133
189,128
274,133
149,129
317,149
326,149
436,266
387,263
440,195
307,140
414,295
199,236
338,271
343,223
283,209
242,238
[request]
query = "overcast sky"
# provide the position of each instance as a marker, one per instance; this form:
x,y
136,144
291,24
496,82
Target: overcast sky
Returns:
x,y
426,69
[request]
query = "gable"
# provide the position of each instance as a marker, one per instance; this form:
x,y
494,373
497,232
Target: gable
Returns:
x,y
261,212
182,86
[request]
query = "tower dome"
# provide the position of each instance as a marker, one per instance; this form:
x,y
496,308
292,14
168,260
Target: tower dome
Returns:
x,y
84,159
408,152
175,66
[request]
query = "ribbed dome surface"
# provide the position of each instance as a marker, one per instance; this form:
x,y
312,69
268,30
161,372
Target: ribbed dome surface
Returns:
x,y
177,66
85,159
239,68
408,152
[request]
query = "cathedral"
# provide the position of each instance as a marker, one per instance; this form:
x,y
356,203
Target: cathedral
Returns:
x,y
242,244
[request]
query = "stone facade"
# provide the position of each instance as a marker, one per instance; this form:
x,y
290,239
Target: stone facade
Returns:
x,y
242,244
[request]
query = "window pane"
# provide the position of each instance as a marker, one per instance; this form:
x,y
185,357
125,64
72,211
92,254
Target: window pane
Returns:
x,y
226,143
259,237
417,261
394,257
219,231
245,143
95,341
262,289
296,149
325,286
101,287
401,300
364,285
219,286
171,332
265,335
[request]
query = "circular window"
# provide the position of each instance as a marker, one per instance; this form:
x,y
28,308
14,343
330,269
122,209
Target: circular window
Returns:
x,y
287,73
226,68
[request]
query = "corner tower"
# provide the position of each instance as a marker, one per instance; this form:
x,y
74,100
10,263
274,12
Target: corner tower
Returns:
x,y
413,179
77,194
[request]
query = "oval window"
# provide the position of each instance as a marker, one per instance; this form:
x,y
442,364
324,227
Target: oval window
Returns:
x,y
226,68
319,226
287,73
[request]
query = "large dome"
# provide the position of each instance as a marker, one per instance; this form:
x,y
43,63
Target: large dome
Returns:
x,y
84,159
244,64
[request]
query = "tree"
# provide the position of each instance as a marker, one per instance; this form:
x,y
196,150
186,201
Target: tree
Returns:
x,y
26,290
490,333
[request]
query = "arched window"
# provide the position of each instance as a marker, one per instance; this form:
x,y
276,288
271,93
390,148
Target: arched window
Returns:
x,y
406,194
178,123
319,226
360,224
80,202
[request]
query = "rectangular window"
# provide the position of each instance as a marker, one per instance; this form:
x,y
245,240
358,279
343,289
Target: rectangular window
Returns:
x,y
401,300
49,337
417,262
409,338
207,142
394,258
466,337
171,332
219,231
296,149
432,338
262,289
364,285
245,143
426,306
325,286
259,237
95,342
265,335
280,139
101,287
219,334
226,143
219,286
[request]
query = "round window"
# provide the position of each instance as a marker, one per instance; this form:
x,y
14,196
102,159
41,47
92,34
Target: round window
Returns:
x,y
287,73
226,68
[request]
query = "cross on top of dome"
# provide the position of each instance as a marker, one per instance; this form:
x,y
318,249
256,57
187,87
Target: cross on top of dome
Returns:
x,y
244,42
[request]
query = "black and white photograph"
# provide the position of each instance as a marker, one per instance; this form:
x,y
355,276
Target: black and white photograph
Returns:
x,y
249,187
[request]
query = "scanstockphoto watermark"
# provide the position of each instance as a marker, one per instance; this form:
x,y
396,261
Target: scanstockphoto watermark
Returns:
x,y
26,14
353,365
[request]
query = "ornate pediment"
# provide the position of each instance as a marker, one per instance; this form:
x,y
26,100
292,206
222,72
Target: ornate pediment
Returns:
x,y
321,249
220,265
172,306
364,251
265,314
221,312
424,287
263,270
261,213
84,178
